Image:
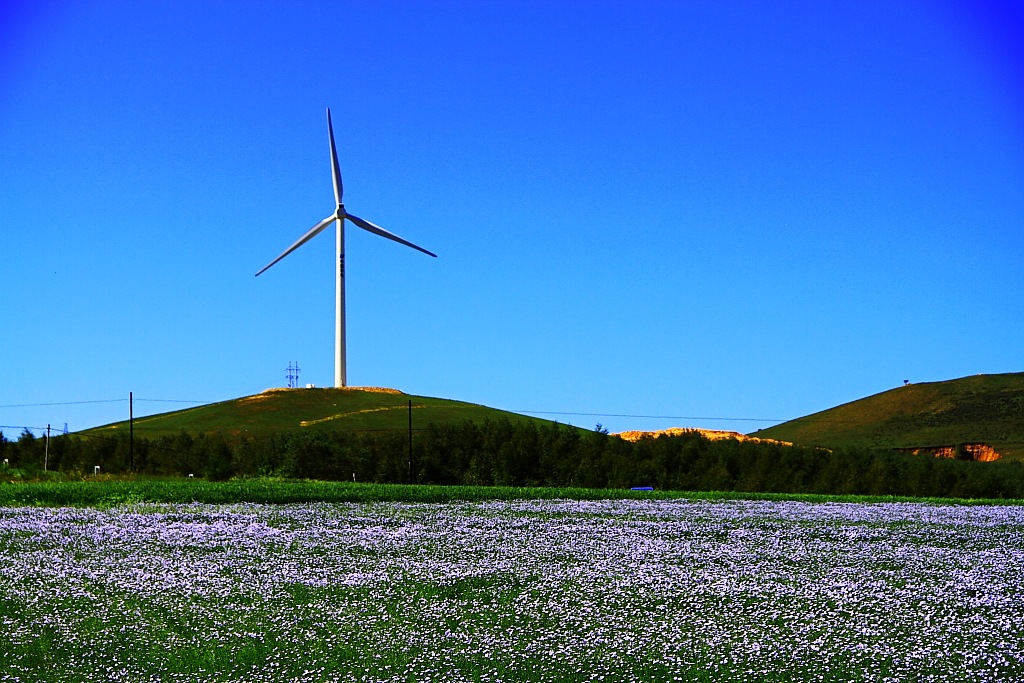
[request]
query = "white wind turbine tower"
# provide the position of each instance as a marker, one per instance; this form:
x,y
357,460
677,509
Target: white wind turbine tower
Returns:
x,y
338,218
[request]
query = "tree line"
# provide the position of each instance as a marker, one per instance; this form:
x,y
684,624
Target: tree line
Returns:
x,y
511,453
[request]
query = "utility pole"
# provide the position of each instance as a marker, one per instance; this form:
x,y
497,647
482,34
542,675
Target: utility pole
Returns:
x,y
46,452
131,433
410,441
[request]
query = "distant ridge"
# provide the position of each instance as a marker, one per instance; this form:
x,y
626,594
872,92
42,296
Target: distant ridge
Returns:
x,y
977,410
356,409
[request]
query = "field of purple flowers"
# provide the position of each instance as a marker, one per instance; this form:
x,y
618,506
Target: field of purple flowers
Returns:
x,y
640,590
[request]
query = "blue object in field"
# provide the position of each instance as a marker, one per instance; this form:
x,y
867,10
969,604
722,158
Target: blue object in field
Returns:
x,y
642,488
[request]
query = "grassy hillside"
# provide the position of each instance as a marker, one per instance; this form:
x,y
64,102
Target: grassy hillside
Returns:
x,y
980,409
285,410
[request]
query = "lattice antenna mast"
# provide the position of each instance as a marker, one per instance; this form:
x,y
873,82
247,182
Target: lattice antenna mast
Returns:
x,y
292,374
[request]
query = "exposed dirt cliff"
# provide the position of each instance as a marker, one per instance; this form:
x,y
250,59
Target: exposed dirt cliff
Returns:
x,y
712,434
978,452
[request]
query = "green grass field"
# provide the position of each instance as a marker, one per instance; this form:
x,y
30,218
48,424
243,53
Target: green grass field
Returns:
x,y
284,410
979,409
106,492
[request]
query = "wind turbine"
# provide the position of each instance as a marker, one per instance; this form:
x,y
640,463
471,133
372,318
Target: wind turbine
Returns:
x,y
339,217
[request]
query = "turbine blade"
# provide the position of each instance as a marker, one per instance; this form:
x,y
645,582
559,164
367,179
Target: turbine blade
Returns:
x,y
377,230
335,169
310,234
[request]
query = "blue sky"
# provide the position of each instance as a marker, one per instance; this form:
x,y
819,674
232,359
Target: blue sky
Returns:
x,y
690,210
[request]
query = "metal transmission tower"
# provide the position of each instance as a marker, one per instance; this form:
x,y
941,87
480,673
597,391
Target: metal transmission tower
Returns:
x,y
293,374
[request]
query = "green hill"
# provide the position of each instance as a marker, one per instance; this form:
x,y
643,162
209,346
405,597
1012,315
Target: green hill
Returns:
x,y
985,409
285,410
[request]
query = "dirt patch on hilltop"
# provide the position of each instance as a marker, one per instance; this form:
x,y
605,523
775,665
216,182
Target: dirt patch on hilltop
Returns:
x,y
375,390
263,395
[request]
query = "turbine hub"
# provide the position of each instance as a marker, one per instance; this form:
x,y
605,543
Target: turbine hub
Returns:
x,y
340,211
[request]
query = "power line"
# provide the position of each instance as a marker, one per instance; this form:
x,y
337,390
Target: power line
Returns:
x,y
63,403
170,400
528,412
110,400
